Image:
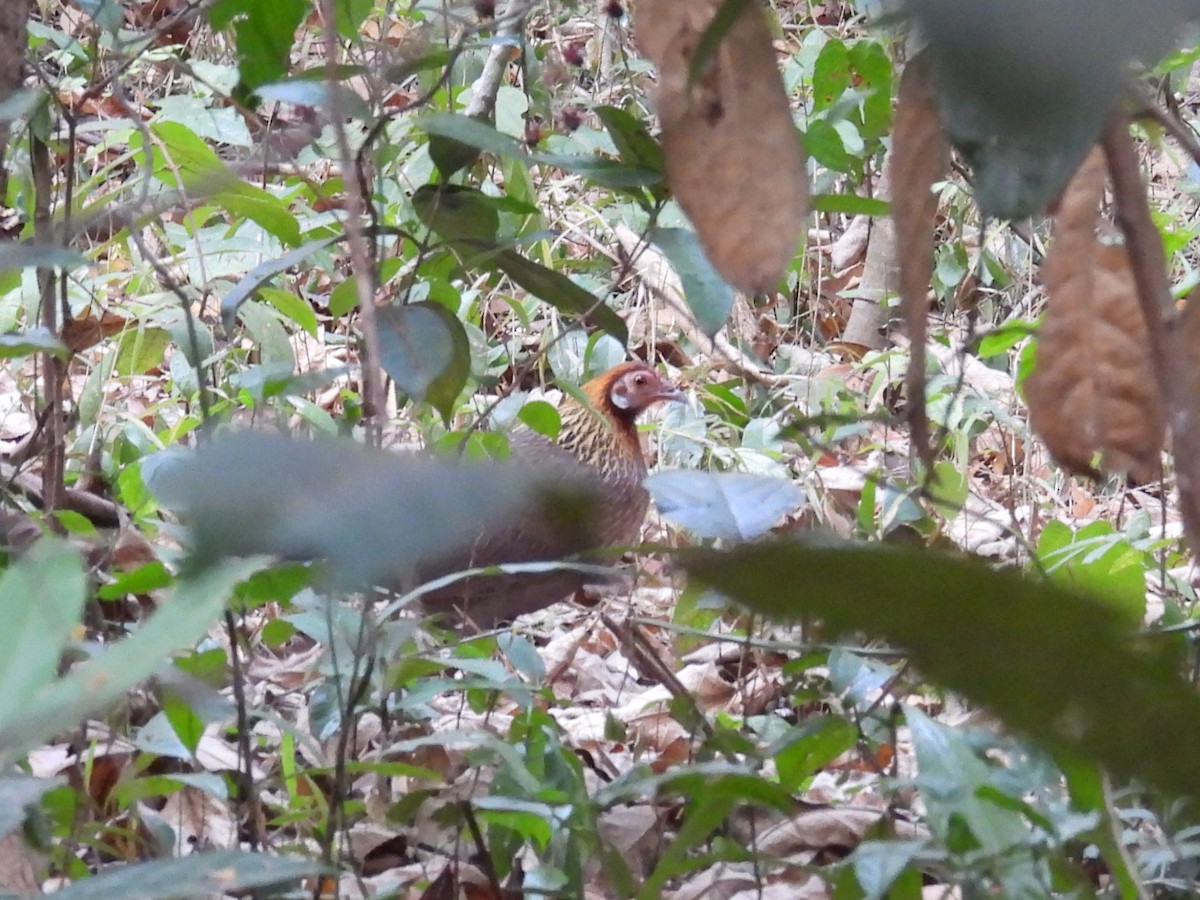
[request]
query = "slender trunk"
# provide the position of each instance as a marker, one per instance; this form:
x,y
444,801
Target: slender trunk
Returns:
x,y
869,316
14,36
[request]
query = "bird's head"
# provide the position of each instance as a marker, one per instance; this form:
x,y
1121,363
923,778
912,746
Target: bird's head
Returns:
x,y
629,389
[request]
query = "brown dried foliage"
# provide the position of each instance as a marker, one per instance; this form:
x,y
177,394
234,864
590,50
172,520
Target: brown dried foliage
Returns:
x,y
1093,389
733,156
920,157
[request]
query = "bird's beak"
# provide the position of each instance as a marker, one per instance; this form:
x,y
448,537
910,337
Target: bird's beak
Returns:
x,y
671,395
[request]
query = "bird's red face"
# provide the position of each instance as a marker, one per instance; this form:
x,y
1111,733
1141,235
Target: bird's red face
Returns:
x,y
639,387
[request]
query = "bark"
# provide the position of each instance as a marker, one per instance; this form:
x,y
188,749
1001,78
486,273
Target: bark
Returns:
x,y
14,37
869,318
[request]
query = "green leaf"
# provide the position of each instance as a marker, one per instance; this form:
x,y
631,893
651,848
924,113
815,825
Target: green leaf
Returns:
x,y
851,205
532,820
261,207
560,292
199,875
182,159
28,254
19,103
811,747
291,307
831,75
141,350
606,173
457,213
951,776
472,132
187,726
41,600
542,417
182,619
1086,786
824,144
632,139
1005,337
105,13
152,576
17,793
731,505
262,273
349,16
25,343
1097,560
264,34
425,350
707,293
344,297
874,67
949,488
1067,670
450,155
878,864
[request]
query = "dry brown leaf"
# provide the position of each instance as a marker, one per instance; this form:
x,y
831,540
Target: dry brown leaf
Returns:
x,y
634,831
843,827
19,865
199,821
87,330
733,156
1093,388
920,157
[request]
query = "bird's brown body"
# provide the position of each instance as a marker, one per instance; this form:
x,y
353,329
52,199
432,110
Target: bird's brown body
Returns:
x,y
597,453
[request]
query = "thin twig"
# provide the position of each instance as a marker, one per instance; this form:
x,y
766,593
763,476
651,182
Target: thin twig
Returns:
x,y
1146,108
360,255
486,87
1168,355
53,373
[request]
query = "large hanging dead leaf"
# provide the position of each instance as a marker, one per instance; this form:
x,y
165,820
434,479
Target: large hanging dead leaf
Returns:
x,y
733,156
1093,387
920,157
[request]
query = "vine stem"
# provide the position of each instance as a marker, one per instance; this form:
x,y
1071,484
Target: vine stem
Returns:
x,y
360,254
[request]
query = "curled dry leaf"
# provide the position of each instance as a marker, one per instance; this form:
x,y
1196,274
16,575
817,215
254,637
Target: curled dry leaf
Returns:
x,y
89,329
1093,388
920,157
732,154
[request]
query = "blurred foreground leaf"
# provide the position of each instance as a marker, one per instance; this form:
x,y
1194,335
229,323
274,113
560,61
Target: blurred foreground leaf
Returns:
x,y
41,704
1064,669
41,599
371,515
198,875
1025,86
38,340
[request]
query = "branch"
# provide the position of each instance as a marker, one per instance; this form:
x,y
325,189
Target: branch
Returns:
x,y
487,86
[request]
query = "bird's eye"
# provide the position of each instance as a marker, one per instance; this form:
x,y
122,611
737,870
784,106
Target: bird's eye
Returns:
x,y
639,380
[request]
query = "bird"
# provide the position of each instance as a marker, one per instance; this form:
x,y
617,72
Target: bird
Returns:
x,y
598,451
